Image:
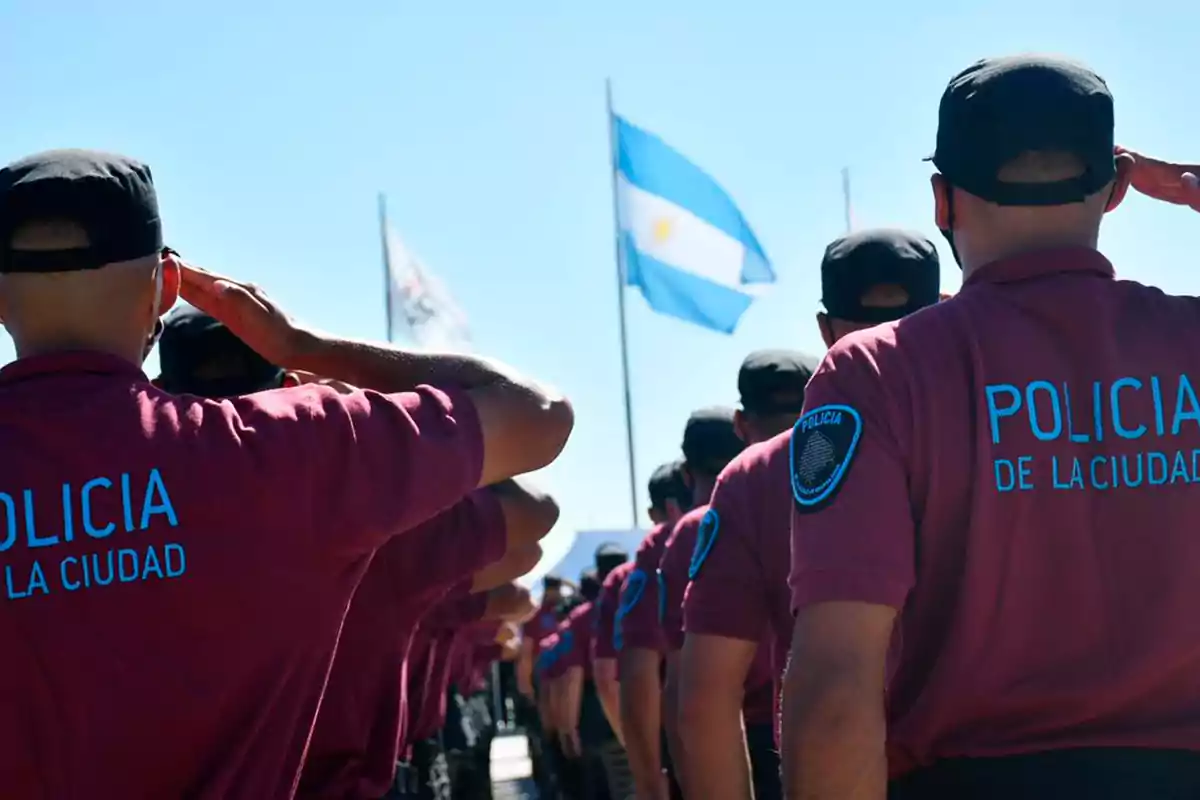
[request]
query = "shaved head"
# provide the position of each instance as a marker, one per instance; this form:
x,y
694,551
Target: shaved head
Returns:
x,y
113,308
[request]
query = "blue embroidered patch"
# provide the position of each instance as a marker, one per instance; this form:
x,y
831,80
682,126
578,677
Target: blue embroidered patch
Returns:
x,y
662,597
822,449
631,593
706,537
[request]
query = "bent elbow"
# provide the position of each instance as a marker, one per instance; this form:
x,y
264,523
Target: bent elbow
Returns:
x,y
547,514
528,558
557,422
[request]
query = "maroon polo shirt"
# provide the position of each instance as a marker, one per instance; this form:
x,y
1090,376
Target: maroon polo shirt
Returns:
x,y
673,568
636,625
356,740
686,554
741,589
432,659
575,638
1022,489
482,660
541,625
467,646
177,569
606,612
546,648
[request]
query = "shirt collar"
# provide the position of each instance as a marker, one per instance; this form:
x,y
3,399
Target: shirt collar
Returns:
x,y
74,361
1043,264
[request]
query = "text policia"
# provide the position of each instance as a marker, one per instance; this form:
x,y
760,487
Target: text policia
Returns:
x,y
36,524
1100,435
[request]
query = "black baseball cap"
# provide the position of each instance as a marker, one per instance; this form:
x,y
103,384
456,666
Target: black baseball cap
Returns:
x,y
773,381
855,263
110,197
192,340
553,582
589,585
609,556
710,440
666,483
999,108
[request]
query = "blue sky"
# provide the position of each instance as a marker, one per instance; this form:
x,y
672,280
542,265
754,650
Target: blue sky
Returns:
x,y
272,126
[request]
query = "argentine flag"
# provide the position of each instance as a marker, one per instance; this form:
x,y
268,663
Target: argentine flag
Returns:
x,y
683,241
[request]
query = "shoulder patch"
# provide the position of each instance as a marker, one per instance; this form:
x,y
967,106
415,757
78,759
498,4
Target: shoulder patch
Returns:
x,y
706,537
823,446
631,594
662,597
635,587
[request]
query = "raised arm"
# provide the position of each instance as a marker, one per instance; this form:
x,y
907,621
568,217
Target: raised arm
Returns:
x,y
524,425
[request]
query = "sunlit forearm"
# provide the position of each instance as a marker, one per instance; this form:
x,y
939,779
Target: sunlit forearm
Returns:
x,y
641,720
572,698
714,743
609,692
525,670
833,744
671,719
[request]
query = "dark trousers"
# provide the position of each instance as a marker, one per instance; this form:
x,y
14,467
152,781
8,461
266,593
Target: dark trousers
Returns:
x,y
1108,773
618,775
568,773
764,762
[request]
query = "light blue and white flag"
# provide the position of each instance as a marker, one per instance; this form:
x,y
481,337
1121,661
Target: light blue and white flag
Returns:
x,y
683,241
421,303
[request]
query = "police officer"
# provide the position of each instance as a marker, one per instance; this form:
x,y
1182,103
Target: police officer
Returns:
x,y
605,768
219,541
738,596
710,442
637,638
532,703
1011,467
486,540
563,691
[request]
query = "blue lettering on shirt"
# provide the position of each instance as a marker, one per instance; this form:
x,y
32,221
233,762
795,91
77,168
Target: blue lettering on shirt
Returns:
x,y
72,516
1149,409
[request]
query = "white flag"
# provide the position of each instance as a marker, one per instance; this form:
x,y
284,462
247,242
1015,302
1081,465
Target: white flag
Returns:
x,y
421,303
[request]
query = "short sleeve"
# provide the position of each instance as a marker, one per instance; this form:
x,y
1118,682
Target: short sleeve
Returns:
x,y
673,576
558,651
636,625
574,643
361,467
606,614
447,549
728,592
853,535
450,547
455,611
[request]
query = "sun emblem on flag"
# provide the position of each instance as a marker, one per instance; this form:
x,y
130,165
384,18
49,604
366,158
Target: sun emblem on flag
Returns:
x,y
662,229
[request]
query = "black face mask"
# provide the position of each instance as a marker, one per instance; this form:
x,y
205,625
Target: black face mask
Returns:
x,y
153,340
948,232
232,386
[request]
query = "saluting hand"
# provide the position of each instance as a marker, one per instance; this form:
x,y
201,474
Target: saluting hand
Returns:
x,y
509,603
246,311
299,378
1163,180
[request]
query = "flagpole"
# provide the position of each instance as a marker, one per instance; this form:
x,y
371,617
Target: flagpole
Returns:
x,y
387,265
612,158
846,198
